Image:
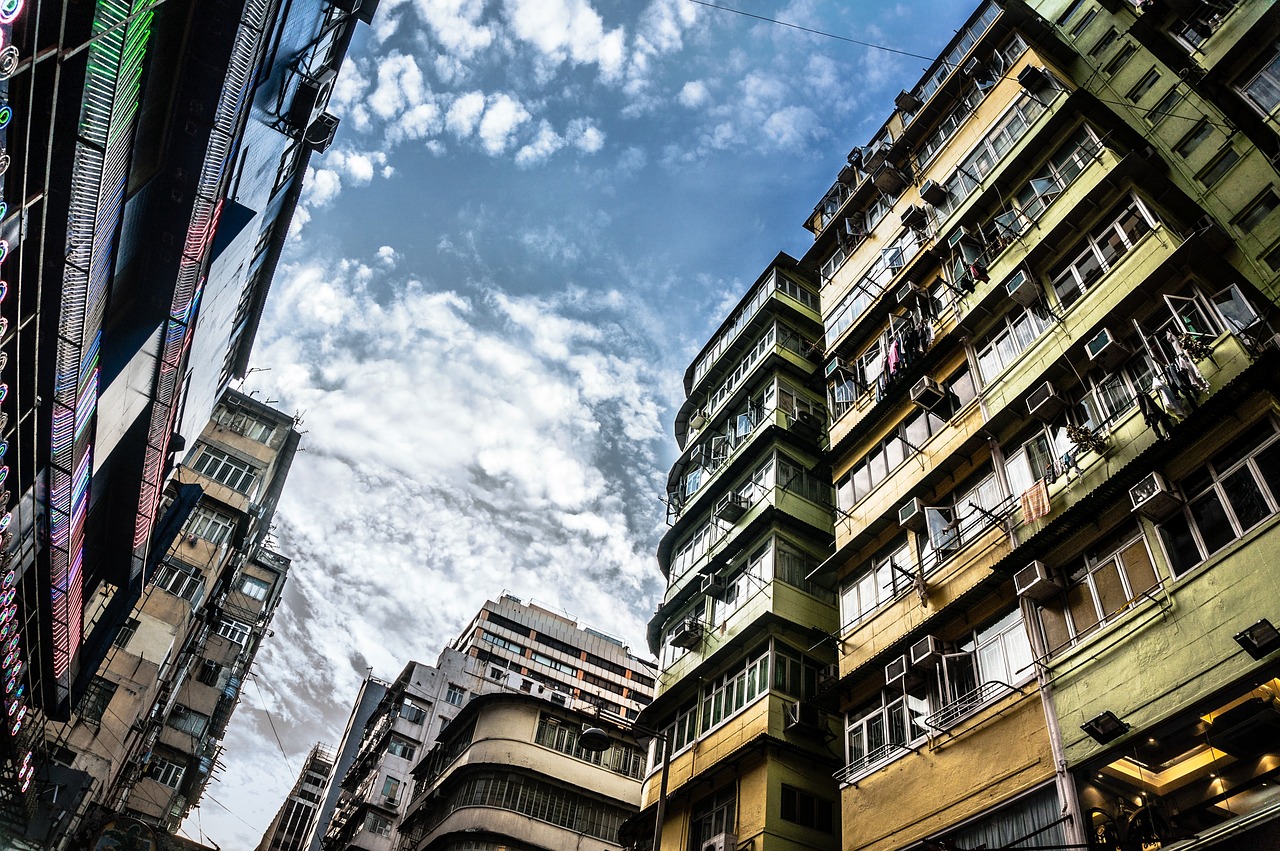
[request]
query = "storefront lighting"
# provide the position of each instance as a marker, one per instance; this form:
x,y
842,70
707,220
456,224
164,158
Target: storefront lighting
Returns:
x,y
1105,727
1259,640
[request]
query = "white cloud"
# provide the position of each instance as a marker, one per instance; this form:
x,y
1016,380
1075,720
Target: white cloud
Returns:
x,y
388,256
456,25
585,135
694,94
464,114
542,146
568,30
501,118
321,186
792,127
400,85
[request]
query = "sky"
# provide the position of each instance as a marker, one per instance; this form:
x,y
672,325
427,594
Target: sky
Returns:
x,y
533,216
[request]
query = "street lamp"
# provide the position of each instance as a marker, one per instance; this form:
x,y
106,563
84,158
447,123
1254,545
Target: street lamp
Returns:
x,y
596,740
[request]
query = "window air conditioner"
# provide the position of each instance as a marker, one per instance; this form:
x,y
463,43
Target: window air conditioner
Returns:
x,y
895,673
926,652
928,394
731,507
721,842
319,135
1044,403
713,586
958,236
829,675
847,176
889,179
1022,288
874,156
687,634
1154,498
803,716
1034,79
1105,350
311,97
806,425
697,420
933,193
915,217
911,515
1036,581
837,365
907,102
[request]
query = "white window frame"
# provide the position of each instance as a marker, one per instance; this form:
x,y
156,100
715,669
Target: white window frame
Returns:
x,y
166,772
225,469
255,588
235,631
210,525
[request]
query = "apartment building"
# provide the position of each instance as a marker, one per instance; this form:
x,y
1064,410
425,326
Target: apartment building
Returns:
x,y
509,647
291,829
153,153
1048,292
147,733
745,638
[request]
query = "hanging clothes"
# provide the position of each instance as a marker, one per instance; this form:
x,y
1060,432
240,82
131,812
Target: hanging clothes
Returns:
x,y
1154,416
1035,501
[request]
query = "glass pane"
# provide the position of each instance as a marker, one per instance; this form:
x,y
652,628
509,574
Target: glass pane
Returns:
x,y
1211,519
991,662
962,676
1110,590
1080,605
1246,499
1179,544
1269,466
1088,268
1138,567
1234,308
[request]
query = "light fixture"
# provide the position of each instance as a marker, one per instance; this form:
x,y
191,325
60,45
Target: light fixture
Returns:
x,y
593,740
1259,640
1105,727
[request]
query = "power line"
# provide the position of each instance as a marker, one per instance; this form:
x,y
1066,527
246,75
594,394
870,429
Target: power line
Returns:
x,y
279,743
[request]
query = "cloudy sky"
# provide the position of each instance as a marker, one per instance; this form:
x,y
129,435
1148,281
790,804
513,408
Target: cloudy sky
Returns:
x,y
535,213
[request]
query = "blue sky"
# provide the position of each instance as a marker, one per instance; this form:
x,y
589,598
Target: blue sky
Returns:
x,y
534,214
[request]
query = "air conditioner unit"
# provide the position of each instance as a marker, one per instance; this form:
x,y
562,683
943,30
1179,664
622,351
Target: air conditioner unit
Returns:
x,y
855,157
907,102
911,515
896,671
731,507
926,652
1044,403
1036,581
915,217
933,193
889,179
1022,288
697,420
687,634
311,97
847,176
1034,79
962,235
319,135
803,716
928,394
806,425
829,675
721,842
1154,498
714,586
837,365
874,156
1105,350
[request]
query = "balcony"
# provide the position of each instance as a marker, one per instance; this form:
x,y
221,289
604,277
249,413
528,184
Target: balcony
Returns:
x,y
967,705
871,763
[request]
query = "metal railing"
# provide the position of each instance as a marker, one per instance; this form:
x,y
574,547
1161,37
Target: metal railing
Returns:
x,y
967,704
859,768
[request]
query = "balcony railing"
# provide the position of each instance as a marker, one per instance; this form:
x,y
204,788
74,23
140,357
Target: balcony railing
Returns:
x,y
859,768
967,704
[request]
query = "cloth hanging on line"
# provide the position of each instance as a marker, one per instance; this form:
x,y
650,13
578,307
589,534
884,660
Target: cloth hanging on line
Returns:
x,y
1035,501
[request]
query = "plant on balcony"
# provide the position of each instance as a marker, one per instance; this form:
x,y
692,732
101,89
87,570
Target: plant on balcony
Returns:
x,y
1084,439
1197,346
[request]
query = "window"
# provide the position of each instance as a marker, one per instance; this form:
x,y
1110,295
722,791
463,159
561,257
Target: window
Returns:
x,y
1198,135
455,695
1063,166
391,788
1236,491
1100,251
188,720
208,672
684,729
728,693
963,516
1264,88
126,633
1083,23
95,700
1165,106
210,525
287,166
1148,81
377,824
241,421
1112,578
1011,336
988,152
504,643
221,467
181,580
997,653
412,712
1118,61
235,631
806,810
255,588
402,748
165,772
879,728
886,576
712,816
1218,168
1257,212
1107,39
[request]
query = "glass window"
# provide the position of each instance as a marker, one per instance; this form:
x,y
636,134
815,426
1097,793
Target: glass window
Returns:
x,y
879,728
209,525
221,467
1148,81
807,810
182,580
94,702
255,588
235,631
1226,498
1194,139
165,772
1218,168
1259,210
455,695
885,576
1264,88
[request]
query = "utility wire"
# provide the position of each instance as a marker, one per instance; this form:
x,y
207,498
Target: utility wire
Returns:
x,y
228,809
270,721
886,49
